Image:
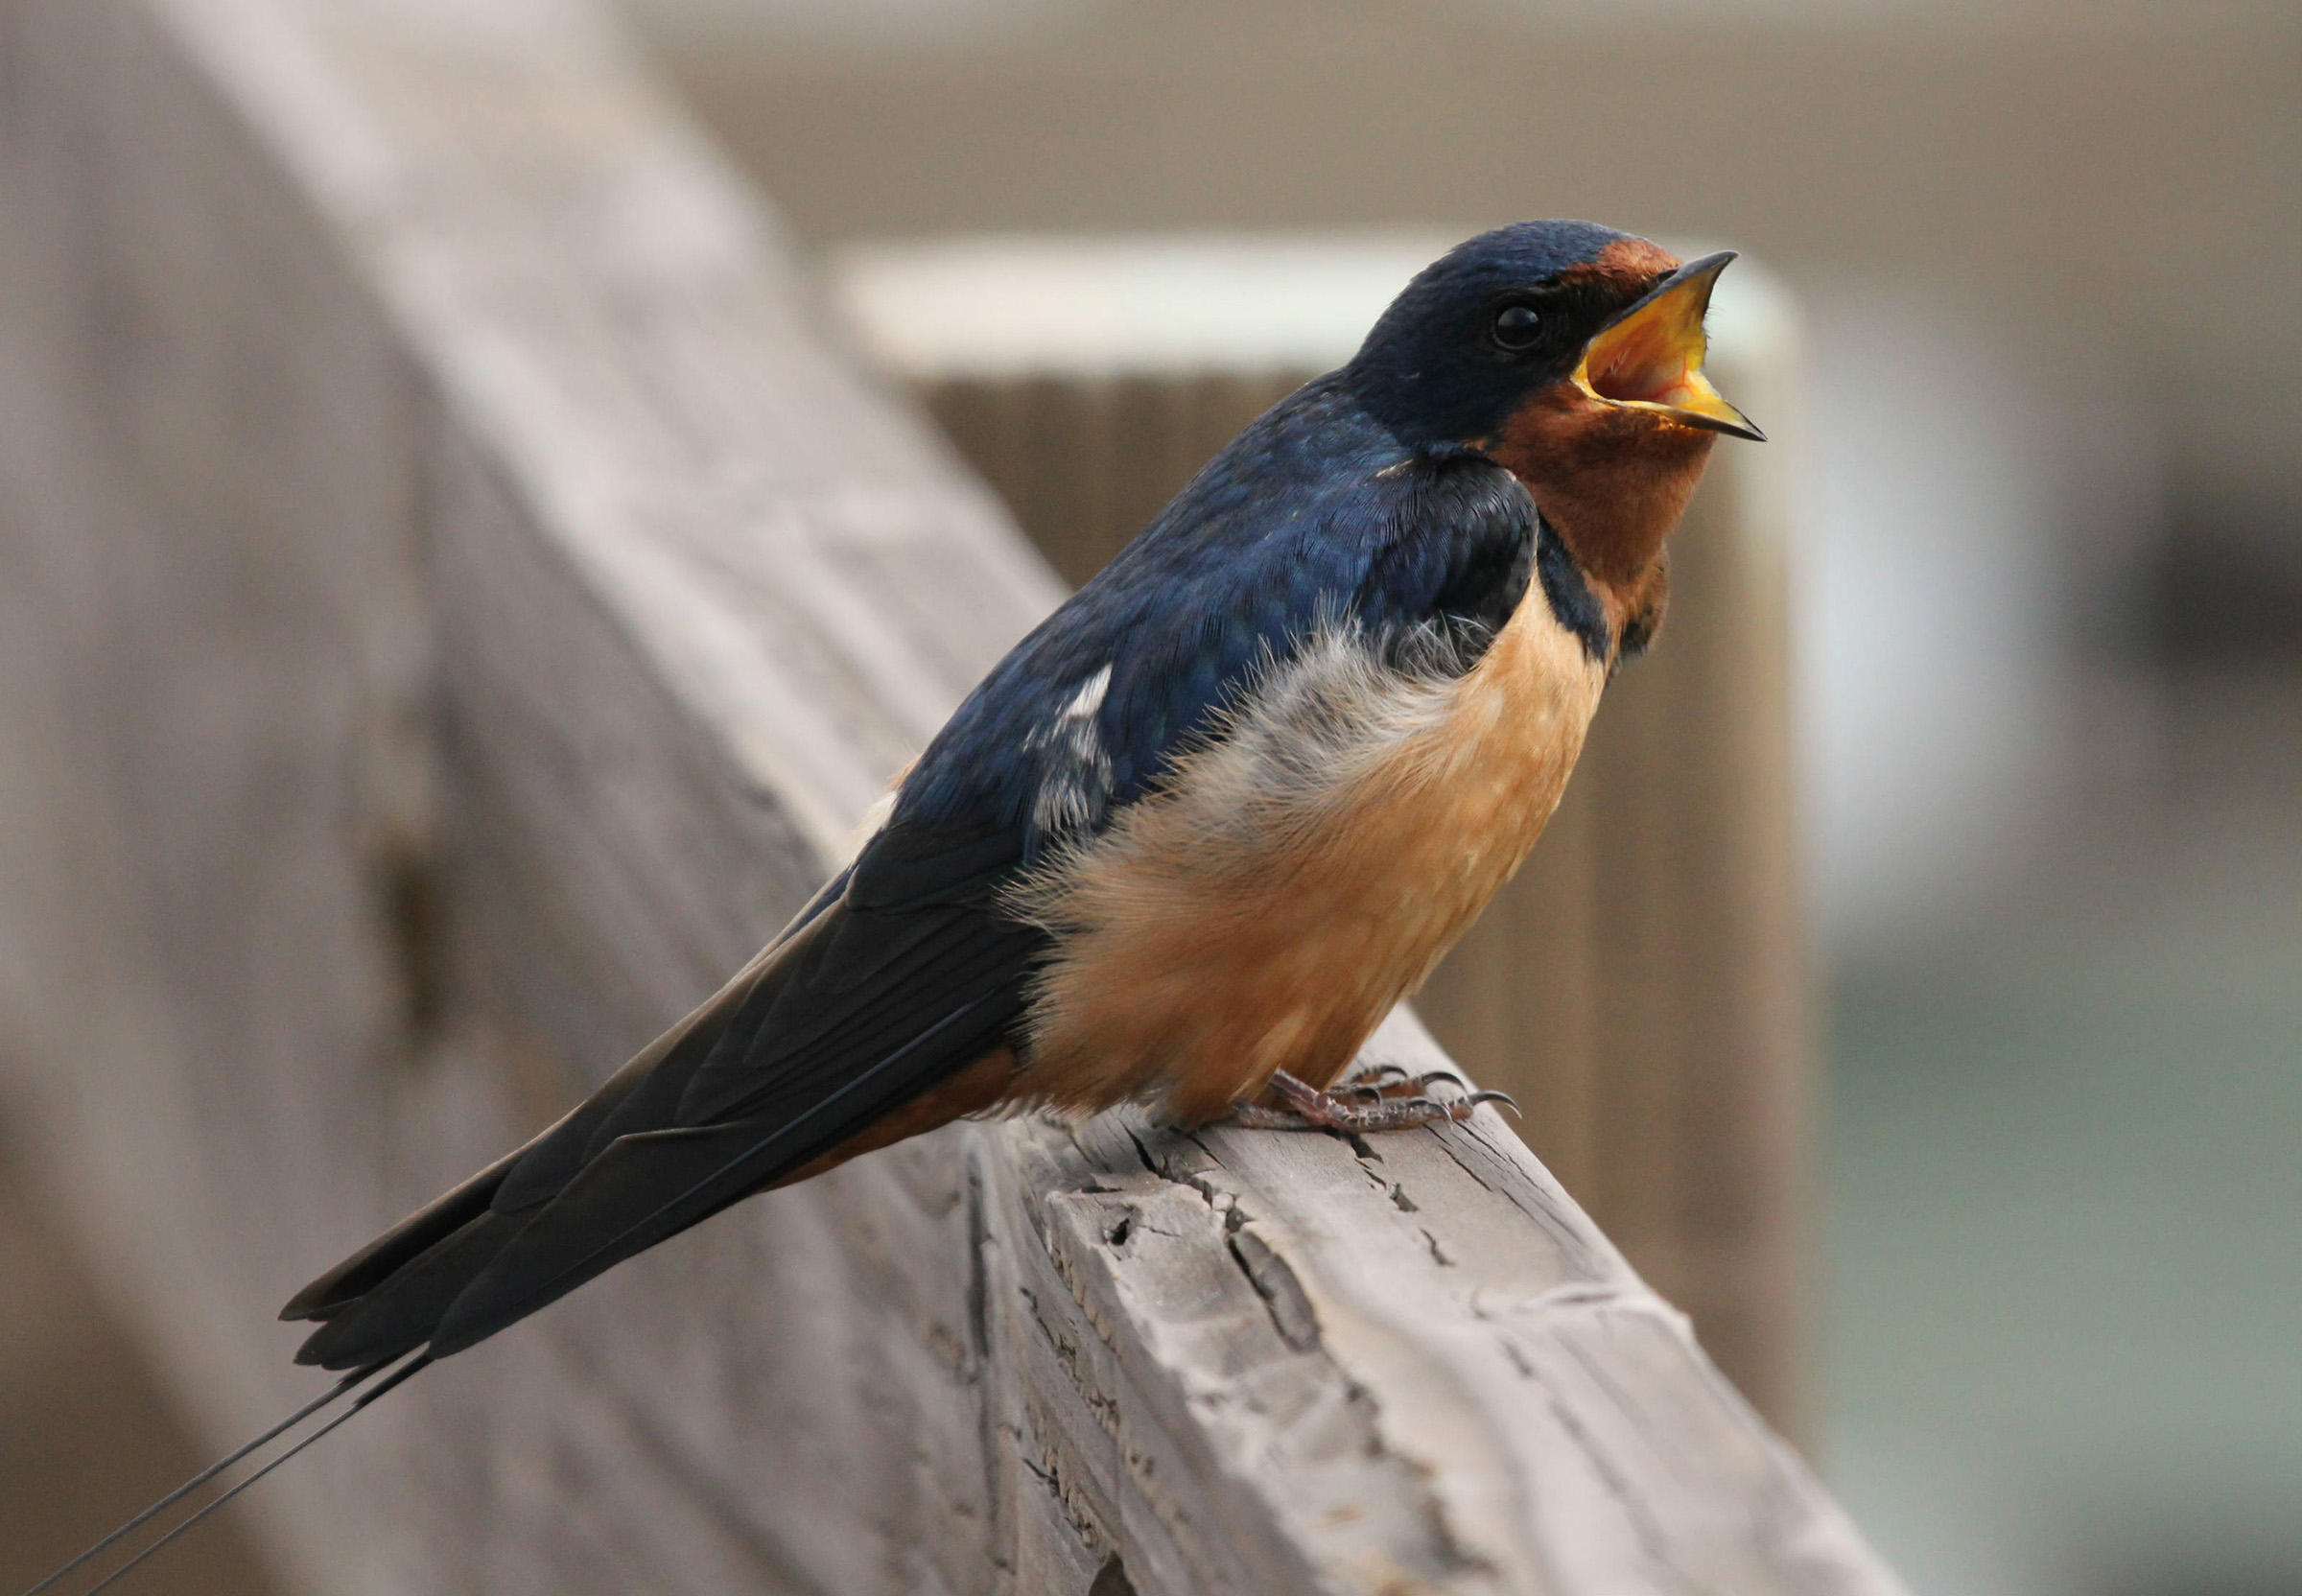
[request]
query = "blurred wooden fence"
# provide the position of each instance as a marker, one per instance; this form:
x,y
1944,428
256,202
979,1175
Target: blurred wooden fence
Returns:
x,y
455,604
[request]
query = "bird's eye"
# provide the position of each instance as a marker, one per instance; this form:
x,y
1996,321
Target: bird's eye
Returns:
x,y
1516,327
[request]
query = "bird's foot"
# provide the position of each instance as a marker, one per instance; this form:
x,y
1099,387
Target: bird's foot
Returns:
x,y
1385,1098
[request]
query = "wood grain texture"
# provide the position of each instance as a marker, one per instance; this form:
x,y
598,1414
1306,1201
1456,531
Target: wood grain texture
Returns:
x,y
456,602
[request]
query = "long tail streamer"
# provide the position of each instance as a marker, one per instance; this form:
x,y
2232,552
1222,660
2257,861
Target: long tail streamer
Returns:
x,y
333,1395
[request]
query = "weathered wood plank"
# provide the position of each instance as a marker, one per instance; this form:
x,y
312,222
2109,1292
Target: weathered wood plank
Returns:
x,y
465,603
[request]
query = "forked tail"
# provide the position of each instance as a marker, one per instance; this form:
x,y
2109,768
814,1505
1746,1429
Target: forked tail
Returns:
x,y
328,1398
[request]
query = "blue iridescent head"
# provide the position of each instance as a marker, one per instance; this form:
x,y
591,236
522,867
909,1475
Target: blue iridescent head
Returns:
x,y
1563,315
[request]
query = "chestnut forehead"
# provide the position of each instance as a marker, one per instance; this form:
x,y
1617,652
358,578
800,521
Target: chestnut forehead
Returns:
x,y
1626,265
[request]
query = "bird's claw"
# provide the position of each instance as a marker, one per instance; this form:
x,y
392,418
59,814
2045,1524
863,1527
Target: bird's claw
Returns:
x,y
1383,1078
1364,1104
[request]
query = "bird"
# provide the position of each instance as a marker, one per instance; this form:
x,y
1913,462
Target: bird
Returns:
x,y
1195,836
1192,838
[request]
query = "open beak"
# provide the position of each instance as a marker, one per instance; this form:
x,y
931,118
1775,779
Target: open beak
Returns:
x,y
1650,358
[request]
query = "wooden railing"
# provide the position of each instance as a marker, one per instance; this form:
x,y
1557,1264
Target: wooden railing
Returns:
x,y
455,606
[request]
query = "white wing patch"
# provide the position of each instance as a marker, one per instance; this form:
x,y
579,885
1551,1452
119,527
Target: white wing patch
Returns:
x,y
1075,776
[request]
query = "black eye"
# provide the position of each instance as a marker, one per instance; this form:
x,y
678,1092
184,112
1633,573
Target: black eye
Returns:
x,y
1516,327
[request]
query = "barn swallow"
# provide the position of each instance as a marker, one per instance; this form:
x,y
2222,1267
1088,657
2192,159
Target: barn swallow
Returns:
x,y
1196,834
1199,831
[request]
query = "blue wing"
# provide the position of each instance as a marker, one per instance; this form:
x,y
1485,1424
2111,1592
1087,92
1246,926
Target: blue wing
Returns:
x,y
1313,514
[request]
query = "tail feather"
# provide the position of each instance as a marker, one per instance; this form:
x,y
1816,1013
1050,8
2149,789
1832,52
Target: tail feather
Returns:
x,y
399,1247
644,1190
547,1164
648,1187
803,1055
391,1322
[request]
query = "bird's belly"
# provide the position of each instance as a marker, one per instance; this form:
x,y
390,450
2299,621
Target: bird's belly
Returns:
x,y
1304,875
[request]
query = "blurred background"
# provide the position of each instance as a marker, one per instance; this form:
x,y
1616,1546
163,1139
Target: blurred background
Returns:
x,y
2047,622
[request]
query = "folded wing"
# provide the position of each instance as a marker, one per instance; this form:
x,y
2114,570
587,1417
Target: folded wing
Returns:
x,y
904,978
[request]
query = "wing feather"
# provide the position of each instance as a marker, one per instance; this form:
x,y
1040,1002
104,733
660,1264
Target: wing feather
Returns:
x,y
855,1011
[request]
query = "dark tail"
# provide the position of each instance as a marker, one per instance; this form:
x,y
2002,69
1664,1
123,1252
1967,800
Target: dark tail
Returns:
x,y
327,1398
858,1011
866,1002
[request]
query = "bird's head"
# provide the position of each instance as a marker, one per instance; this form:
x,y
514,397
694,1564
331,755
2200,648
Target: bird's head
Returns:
x,y
1571,354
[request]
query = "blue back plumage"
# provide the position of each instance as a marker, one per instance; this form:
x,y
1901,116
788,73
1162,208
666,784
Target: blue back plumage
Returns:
x,y
1316,513
1360,499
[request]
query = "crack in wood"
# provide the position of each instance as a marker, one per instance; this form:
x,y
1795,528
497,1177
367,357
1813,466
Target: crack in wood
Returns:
x,y
1291,1312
